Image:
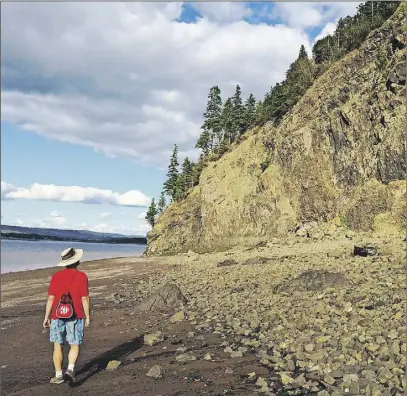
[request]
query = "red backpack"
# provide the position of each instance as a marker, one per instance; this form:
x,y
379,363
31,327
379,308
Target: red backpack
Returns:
x,y
65,308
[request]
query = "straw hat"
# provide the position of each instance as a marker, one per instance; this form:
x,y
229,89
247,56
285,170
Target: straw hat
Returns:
x,y
70,256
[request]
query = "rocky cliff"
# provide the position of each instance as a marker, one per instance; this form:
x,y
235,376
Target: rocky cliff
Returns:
x,y
337,158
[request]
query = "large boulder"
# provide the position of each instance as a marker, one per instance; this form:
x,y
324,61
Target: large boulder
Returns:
x,y
312,280
167,297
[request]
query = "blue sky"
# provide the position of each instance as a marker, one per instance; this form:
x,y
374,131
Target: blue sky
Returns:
x,y
94,96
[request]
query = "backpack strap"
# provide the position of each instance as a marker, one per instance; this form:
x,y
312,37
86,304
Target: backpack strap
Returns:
x,y
70,283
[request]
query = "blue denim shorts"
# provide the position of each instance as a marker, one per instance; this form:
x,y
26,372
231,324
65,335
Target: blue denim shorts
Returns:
x,y
70,330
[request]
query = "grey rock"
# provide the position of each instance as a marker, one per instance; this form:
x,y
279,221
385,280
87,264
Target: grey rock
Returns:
x,y
156,372
186,357
226,263
167,296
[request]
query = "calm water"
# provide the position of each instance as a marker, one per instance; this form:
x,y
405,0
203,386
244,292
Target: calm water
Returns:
x,y
22,255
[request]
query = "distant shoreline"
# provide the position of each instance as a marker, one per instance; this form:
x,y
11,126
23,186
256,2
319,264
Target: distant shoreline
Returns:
x,y
33,237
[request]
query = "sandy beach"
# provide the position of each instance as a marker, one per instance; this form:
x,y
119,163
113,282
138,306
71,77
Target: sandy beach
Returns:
x,y
239,325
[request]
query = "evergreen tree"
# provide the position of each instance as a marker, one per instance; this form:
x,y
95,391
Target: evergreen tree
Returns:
x,y
259,112
151,213
161,203
197,170
212,119
250,111
238,111
186,179
171,185
188,171
228,122
204,142
299,78
303,53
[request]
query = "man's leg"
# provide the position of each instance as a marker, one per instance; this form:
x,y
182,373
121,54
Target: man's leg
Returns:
x,y
73,355
74,335
56,334
58,357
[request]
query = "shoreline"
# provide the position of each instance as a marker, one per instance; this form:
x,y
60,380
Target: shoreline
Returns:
x,y
95,261
250,322
43,255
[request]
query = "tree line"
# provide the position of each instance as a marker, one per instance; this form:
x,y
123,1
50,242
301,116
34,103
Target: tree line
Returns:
x,y
225,121
177,185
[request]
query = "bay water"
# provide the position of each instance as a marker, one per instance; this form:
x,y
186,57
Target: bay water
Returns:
x,y
21,255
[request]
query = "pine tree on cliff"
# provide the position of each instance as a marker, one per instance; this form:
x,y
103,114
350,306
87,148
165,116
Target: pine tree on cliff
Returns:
x,y
204,142
303,53
250,111
259,112
188,172
299,78
185,179
151,213
212,128
161,203
171,185
197,170
228,122
238,111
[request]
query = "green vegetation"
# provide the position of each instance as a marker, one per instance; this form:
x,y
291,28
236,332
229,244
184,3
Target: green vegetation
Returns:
x,y
152,212
161,203
224,123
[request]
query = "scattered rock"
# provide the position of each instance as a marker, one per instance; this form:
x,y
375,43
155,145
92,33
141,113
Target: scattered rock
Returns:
x,y
256,260
365,251
350,378
286,379
178,317
329,379
261,382
236,354
336,254
156,372
226,263
167,296
228,370
208,357
186,357
192,254
350,234
153,338
113,365
302,232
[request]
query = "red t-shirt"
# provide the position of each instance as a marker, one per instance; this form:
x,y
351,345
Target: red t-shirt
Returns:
x,y
76,281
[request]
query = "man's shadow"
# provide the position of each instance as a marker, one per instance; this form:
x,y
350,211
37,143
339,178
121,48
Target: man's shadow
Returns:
x,y
99,363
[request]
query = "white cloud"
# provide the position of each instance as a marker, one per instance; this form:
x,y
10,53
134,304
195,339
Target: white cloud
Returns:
x,y
90,195
127,79
328,29
222,12
311,14
106,215
53,220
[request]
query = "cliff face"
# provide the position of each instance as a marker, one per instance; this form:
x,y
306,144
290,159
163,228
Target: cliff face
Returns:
x,y
339,154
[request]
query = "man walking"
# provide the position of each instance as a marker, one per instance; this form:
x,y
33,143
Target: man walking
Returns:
x,y
70,281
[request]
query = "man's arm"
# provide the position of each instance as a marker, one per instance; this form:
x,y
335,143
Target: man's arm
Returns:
x,y
86,309
48,308
86,300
